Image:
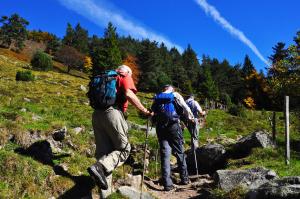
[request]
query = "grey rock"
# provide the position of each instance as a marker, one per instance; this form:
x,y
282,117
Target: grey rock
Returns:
x,y
244,145
285,188
27,99
249,179
83,88
55,145
210,158
152,130
78,130
65,82
71,144
132,193
27,138
36,117
134,181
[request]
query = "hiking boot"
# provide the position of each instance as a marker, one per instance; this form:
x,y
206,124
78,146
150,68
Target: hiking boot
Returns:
x,y
169,188
184,182
97,173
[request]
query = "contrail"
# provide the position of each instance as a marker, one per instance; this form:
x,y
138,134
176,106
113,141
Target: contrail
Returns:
x,y
214,13
100,14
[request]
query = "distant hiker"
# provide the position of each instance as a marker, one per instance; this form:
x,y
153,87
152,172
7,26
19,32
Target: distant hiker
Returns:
x,y
193,127
109,95
168,107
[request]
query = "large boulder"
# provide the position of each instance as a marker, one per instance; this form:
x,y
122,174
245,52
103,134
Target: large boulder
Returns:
x,y
249,179
210,158
244,145
288,187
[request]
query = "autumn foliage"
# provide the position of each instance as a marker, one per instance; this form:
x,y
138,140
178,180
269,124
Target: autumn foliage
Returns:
x,y
40,36
131,61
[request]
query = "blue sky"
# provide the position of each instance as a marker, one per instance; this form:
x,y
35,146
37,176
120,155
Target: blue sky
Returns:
x,y
223,29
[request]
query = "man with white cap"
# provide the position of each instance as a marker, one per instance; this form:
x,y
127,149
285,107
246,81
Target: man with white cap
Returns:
x,y
110,130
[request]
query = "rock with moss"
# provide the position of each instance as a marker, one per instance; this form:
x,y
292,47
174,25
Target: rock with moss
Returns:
x,y
249,178
243,147
285,188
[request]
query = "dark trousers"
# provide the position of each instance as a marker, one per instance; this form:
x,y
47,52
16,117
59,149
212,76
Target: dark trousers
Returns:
x,y
171,141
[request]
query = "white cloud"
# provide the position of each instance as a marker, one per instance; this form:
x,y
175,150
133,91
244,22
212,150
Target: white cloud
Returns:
x,y
214,13
101,14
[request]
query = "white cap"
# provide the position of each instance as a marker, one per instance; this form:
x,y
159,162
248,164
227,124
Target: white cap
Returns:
x,y
125,68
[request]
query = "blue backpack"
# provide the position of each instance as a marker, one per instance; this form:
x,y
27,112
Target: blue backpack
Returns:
x,y
193,107
102,90
164,108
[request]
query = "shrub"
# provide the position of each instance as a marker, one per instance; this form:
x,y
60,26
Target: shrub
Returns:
x,y
41,61
237,110
24,76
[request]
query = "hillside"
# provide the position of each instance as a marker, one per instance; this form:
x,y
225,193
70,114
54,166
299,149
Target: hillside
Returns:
x,y
57,100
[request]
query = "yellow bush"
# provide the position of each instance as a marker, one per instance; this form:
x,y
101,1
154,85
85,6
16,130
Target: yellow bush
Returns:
x,y
249,101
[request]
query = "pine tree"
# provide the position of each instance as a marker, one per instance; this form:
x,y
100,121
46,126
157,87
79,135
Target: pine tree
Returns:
x,y
129,46
69,38
108,55
297,41
209,88
247,66
166,60
13,29
279,52
95,47
80,39
151,66
179,76
191,65
53,44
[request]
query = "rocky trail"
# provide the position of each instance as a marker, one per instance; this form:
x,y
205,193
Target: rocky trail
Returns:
x,y
211,158
181,191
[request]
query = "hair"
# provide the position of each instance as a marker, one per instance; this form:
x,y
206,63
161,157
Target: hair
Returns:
x,y
191,96
125,68
166,87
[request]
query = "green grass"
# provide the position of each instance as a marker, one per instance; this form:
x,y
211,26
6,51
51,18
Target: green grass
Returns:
x,y
55,101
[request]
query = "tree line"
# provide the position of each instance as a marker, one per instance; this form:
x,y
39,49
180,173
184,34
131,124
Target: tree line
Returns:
x,y
155,65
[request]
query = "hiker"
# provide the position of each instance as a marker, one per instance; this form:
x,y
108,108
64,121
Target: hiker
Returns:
x,y
193,127
168,107
110,130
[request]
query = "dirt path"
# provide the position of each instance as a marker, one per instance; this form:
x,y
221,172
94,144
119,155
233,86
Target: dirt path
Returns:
x,y
181,191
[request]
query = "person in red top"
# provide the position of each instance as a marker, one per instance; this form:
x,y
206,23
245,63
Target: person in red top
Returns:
x,y
110,130
124,82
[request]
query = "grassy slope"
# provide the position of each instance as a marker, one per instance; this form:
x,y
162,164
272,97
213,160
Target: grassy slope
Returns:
x,y
57,100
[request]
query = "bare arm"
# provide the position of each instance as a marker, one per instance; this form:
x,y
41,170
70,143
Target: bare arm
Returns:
x,y
199,109
134,100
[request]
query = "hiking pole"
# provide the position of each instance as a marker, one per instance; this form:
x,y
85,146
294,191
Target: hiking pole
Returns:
x,y
156,157
145,155
194,148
